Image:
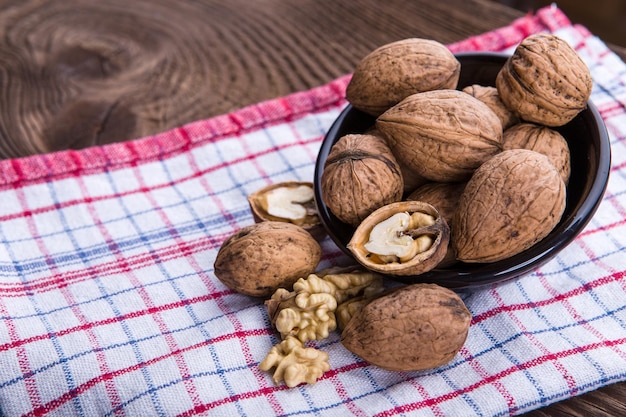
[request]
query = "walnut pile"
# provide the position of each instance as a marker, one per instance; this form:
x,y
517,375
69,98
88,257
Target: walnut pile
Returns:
x,y
309,312
443,133
445,175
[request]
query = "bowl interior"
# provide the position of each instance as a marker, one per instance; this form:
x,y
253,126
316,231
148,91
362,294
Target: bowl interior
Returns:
x,y
590,160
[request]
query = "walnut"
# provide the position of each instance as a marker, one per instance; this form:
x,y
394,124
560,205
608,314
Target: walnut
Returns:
x,y
295,364
259,258
289,201
305,315
410,178
444,196
416,327
542,139
511,202
360,175
404,238
398,69
443,135
347,310
489,95
545,81
308,312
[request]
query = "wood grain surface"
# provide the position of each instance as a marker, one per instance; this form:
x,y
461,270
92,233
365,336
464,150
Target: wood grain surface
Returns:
x,y
79,73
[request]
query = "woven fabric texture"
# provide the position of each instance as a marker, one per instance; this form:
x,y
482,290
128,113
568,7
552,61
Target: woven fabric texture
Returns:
x,y
109,305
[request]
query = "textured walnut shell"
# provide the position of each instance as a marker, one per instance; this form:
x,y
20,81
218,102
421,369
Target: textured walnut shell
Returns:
x,y
489,95
545,81
444,196
542,139
513,201
417,327
260,258
443,135
410,178
419,264
310,222
398,69
360,175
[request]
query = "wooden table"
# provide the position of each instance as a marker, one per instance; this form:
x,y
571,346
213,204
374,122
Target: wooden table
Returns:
x,y
79,73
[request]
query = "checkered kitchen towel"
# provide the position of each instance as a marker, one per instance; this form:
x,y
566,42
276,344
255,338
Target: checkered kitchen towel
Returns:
x,y
109,305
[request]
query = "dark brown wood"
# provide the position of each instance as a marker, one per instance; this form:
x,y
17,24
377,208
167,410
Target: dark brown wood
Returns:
x,y
79,73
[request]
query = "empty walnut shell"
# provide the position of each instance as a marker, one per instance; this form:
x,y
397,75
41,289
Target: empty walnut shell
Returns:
x,y
403,238
511,202
542,139
289,201
412,328
545,81
360,175
443,135
398,69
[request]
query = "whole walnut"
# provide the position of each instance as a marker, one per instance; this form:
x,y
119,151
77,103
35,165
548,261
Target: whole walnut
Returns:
x,y
398,69
511,202
442,135
545,81
412,328
410,178
489,95
542,139
444,196
360,175
260,258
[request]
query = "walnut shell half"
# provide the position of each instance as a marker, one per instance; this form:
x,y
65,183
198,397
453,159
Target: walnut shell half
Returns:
x,y
403,238
412,328
511,202
288,201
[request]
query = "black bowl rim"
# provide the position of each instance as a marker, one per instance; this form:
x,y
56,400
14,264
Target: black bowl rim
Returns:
x,y
474,276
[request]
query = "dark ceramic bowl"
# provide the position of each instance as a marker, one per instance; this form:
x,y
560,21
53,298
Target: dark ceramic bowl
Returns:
x,y
590,160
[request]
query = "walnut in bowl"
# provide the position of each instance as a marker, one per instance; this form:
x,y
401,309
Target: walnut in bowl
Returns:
x,y
590,155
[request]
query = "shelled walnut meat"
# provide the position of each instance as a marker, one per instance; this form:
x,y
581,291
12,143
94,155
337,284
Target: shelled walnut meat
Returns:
x,y
289,201
360,175
398,69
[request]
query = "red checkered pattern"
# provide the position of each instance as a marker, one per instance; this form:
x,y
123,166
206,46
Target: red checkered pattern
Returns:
x,y
109,305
